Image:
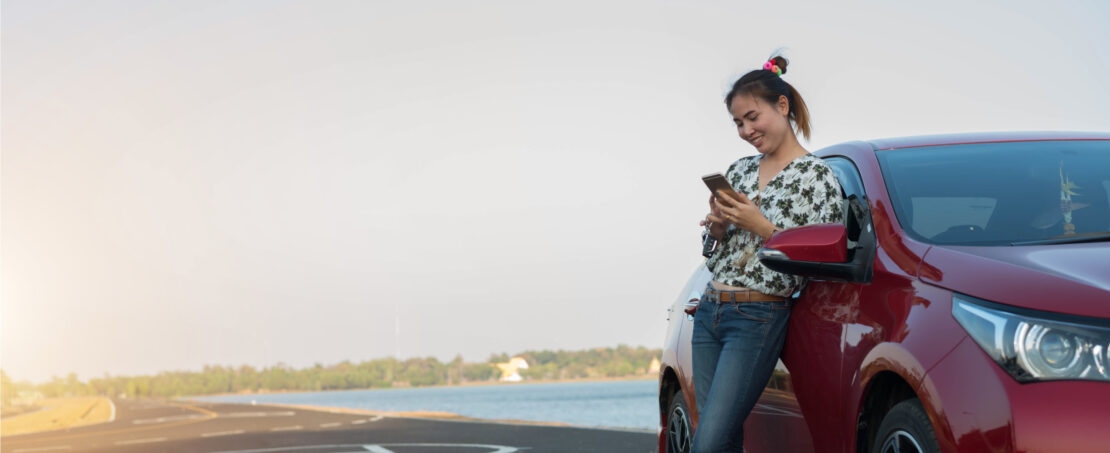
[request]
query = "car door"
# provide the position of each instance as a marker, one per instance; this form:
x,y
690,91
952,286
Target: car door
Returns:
x,y
804,393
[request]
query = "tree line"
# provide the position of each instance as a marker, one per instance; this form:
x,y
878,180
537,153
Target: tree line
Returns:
x,y
622,361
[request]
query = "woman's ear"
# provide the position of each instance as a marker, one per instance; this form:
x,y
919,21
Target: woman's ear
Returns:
x,y
783,105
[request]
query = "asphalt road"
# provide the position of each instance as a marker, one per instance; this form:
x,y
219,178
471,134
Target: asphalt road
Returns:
x,y
168,426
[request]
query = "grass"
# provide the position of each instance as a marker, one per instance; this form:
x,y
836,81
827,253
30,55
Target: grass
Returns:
x,y
59,413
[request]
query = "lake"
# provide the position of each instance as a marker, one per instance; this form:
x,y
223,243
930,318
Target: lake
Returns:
x,y
605,404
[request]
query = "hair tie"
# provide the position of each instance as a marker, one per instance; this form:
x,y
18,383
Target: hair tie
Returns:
x,y
771,66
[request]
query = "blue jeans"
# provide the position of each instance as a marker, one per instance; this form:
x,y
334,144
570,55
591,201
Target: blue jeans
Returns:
x,y
735,347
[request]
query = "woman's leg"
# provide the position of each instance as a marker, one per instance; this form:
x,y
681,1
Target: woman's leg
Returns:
x,y
751,337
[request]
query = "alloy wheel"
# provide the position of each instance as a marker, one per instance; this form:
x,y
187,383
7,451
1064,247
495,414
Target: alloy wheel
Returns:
x,y
678,430
901,441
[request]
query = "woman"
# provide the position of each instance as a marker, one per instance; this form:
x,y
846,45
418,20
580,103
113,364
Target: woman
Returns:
x,y
740,323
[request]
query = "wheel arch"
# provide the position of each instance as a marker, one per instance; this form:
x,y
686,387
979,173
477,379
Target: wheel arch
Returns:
x,y
668,386
888,375
884,390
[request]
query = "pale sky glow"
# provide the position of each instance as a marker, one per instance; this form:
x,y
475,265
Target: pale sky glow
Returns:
x,y
252,182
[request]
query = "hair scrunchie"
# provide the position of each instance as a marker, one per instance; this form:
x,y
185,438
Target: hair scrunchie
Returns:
x,y
771,66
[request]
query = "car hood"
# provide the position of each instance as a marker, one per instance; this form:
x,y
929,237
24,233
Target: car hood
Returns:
x,y
1072,278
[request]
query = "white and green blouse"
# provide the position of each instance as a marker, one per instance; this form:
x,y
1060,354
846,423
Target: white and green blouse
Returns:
x,y
805,192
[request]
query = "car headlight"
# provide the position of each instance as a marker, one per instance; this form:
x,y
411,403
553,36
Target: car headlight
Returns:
x,y
1037,346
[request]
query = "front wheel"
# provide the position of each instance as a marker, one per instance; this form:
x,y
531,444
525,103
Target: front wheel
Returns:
x,y
678,425
906,429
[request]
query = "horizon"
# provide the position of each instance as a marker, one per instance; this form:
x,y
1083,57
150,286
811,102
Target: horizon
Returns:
x,y
281,365
258,182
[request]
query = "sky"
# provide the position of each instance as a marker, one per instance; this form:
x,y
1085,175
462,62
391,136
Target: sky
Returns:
x,y
190,183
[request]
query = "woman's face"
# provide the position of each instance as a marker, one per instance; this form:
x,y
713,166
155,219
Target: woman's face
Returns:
x,y
765,126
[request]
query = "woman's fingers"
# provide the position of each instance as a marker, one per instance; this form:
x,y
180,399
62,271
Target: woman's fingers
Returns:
x,y
744,199
740,214
735,198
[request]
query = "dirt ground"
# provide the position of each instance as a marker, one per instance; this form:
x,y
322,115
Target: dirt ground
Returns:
x,y
58,413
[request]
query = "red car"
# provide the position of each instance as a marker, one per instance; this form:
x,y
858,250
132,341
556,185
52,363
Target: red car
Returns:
x,y
963,306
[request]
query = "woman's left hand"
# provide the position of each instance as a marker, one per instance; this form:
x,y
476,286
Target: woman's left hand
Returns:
x,y
737,209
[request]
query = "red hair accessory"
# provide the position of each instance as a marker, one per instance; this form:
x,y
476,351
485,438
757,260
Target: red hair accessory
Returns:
x,y
771,66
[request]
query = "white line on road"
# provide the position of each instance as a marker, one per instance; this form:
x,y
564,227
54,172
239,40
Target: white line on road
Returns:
x,y
286,428
358,422
330,425
141,441
28,450
173,418
377,417
257,414
380,448
222,433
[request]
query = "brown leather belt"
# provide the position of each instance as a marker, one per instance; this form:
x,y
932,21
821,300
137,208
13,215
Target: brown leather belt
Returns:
x,y
740,296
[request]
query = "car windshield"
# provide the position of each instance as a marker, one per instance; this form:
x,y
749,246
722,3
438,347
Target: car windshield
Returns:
x,y
1015,193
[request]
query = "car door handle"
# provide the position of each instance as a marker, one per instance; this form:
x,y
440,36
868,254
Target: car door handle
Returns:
x,y
691,306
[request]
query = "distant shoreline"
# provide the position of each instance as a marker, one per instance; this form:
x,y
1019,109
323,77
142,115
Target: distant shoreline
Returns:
x,y
429,414
645,377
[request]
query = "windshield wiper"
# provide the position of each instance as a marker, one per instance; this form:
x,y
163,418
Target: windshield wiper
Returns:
x,y
1069,239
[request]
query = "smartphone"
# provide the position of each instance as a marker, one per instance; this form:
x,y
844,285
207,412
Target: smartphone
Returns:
x,y
717,181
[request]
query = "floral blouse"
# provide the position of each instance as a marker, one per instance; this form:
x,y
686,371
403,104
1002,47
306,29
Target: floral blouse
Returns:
x,y
805,192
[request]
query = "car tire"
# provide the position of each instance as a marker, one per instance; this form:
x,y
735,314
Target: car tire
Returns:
x,y
906,429
679,436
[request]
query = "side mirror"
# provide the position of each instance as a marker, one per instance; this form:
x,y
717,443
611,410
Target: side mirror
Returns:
x,y
824,243
817,251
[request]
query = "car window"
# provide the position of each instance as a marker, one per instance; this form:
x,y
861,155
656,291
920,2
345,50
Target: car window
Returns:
x,y
852,186
848,176
935,215
1000,193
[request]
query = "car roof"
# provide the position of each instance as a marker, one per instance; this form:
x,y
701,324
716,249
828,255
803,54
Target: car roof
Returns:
x,y
981,137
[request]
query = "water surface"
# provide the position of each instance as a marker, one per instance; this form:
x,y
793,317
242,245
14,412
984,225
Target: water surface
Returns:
x,y
607,404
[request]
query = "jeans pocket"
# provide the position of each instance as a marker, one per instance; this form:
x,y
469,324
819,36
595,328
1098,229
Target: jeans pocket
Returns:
x,y
755,311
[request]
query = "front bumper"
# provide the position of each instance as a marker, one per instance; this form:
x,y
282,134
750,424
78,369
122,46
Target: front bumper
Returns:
x,y
976,407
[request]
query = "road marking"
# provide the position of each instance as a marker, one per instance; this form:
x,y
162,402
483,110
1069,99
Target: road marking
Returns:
x,y
222,433
330,425
135,429
377,417
286,428
28,450
381,448
172,418
197,409
258,414
359,422
141,441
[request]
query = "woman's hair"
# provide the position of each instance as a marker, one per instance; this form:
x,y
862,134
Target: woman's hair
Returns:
x,y
768,85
